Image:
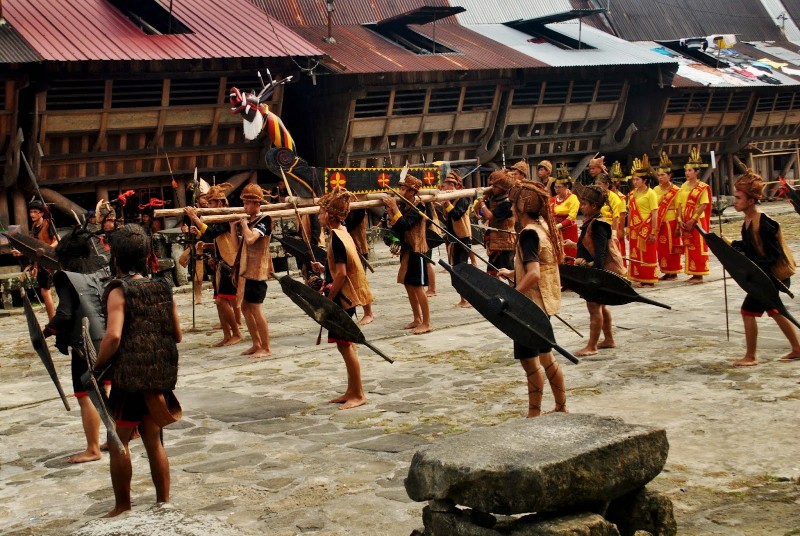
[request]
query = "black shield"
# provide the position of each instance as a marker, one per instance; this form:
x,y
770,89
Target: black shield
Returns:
x,y
747,274
325,313
297,247
40,345
507,309
601,286
34,249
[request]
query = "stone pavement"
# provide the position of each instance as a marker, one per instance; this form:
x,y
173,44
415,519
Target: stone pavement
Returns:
x,y
261,450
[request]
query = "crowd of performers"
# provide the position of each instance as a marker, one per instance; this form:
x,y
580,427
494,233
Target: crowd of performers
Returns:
x,y
531,227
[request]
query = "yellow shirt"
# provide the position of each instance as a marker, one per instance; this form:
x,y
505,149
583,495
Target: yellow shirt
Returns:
x,y
569,207
672,210
613,208
683,196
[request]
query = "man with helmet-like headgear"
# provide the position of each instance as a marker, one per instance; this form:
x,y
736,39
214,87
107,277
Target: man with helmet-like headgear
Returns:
x,y
535,274
345,283
763,243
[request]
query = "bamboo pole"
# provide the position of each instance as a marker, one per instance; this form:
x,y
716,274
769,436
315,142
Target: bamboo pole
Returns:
x,y
373,200
301,202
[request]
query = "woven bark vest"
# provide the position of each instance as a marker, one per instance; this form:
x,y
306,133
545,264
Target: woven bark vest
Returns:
x,y
547,294
355,287
147,358
256,262
498,240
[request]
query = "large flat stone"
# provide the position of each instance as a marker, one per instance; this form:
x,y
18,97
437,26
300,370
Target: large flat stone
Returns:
x,y
549,463
161,519
228,406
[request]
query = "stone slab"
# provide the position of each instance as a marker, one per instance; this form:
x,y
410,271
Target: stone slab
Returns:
x,y
160,520
470,523
550,463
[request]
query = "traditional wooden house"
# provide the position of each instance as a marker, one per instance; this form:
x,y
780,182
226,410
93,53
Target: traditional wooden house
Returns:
x,y
112,95
410,81
735,92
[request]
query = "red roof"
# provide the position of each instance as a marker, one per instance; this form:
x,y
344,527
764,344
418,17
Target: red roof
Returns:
x,y
360,50
85,30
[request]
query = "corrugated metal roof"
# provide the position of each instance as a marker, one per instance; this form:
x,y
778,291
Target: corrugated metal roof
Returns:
x,y
742,73
13,48
793,7
608,50
346,12
500,11
80,30
635,20
781,50
359,50
777,8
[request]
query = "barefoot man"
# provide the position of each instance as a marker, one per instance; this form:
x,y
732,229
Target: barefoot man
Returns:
x,y
254,269
763,243
226,244
409,225
140,344
346,285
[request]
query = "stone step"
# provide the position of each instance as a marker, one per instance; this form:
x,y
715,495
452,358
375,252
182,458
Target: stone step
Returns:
x,y
551,463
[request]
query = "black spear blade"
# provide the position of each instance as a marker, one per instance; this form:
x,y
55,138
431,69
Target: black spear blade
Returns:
x,y
40,345
507,309
601,286
325,313
747,274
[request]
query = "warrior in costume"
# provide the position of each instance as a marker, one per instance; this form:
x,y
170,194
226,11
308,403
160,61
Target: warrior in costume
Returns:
x,y
255,267
521,171
670,246
694,200
80,285
458,225
564,207
763,243
536,275
617,177
496,209
346,284
642,218
140,345
43,229
356,225
596,247
614,209
408,224
544,170
226,244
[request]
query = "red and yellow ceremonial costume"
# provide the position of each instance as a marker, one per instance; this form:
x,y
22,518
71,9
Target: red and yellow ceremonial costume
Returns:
x,y
670,245
566,213
643,265
689,198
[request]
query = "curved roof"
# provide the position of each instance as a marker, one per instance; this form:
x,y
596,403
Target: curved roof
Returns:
x,y
85,30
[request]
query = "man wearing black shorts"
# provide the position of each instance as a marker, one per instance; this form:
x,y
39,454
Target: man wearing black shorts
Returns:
x,y
226,245
408,223
254,269
140,344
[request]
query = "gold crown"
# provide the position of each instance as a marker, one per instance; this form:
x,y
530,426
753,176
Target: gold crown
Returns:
x,y
616,170
562,174
695,161
664,164
641,168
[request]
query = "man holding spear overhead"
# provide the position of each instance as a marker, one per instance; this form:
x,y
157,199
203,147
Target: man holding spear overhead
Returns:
x,y
409,225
